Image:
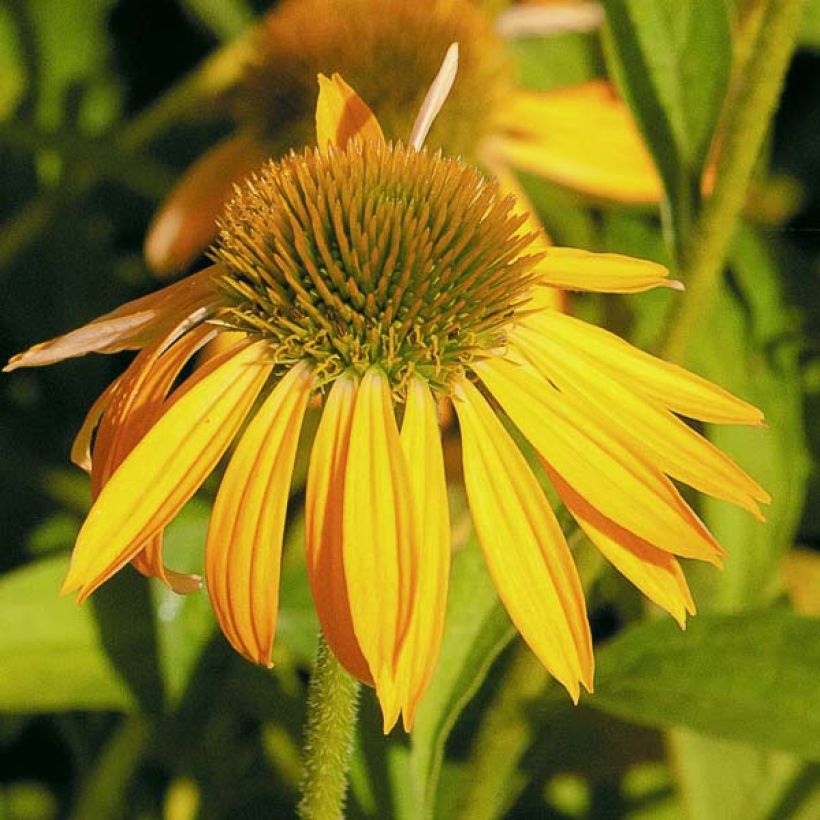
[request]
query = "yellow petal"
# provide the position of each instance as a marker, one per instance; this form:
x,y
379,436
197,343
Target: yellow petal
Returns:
x,y
136,404
341,115
378,536
130,326
670,444
573,269
186,222
421,440
582,137
655,572
167,466
244,547
324,505
673,386
523,545
612,478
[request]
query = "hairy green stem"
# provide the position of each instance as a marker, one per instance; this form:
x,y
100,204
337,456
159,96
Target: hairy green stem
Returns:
x,y
744,128
332,702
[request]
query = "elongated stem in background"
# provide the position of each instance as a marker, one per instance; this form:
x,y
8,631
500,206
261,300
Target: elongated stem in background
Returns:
x,y
504,736
745,127
332,702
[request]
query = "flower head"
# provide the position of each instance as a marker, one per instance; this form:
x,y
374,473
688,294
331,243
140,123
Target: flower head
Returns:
x,y
382,279
582,138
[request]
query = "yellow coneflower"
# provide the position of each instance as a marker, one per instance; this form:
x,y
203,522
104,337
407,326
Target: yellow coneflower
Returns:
x,y
383,279
583,137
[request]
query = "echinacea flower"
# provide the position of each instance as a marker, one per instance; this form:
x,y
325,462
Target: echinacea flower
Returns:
x,y
379,279
581,137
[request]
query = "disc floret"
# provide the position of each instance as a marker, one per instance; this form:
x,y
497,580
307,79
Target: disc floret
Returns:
x,y
374,254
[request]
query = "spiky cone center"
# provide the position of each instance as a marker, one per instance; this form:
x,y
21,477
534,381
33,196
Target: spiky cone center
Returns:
x,y
374,254
389,51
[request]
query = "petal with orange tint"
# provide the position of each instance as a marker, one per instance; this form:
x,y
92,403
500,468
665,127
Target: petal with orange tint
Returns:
x,y
167,466
324,506
378,537
673,386
130,326
582,137
526,553
244,547
135,406
81,447
341,115
674,447
596,464
421,440
654,572
186,222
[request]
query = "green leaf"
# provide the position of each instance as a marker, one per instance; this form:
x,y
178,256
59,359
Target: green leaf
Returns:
x,y
53,659
749,677
672,61
476,630
752,351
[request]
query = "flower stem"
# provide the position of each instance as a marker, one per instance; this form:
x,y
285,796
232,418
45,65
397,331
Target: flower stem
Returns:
x,y
333,698
745,127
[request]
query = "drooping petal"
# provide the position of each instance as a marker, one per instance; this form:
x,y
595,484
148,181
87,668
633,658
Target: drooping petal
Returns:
x,y
574,269
244,547
654,572
81,447
167,466
674,447
341,115
674,387
186,222
600,468
324,507
130,326
582,137
378,537
421,440
524,547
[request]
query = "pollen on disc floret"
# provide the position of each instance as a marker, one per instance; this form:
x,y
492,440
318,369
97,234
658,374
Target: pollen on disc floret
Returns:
x,y
374,254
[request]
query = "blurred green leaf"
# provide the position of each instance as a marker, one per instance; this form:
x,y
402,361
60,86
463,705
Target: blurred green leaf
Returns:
x,y
53,659
810,28
749,677
476,630
124,611
544,63
672,61
66,65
